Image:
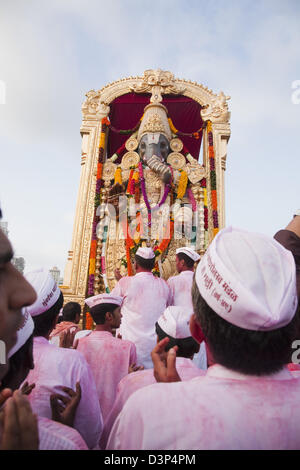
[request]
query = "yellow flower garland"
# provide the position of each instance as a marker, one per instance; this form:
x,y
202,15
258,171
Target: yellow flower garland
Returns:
x,y
183,181
118,175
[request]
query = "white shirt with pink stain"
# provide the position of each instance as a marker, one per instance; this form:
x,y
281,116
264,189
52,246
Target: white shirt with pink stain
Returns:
x,y
57,436
109,359
181,289
145,299
221,410
54,367
136,380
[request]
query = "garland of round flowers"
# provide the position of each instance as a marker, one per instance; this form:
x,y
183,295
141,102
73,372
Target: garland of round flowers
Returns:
x,y
213,178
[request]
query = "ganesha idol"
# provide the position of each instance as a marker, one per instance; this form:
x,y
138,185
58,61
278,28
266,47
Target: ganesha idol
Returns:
x,y
141,183
150,199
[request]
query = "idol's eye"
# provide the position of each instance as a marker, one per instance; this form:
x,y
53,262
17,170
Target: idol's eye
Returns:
x,y
143,146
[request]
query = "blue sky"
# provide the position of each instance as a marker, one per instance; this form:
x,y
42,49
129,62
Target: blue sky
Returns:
x,y
52,53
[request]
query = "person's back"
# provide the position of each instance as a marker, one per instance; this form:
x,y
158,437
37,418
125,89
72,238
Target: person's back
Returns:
x,y
57,436
221,410
181,284
109,359
56,367
145,298
133,382
245,303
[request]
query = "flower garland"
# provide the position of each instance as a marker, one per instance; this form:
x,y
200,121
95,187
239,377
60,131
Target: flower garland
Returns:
x,y
161,248
182,184
196,135
143,186
213,178
99,184
118,176
89,322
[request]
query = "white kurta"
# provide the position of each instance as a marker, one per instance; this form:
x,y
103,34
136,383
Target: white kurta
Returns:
x,y
145,298
221,410
181,289
109,359
132,382
54,367
57,436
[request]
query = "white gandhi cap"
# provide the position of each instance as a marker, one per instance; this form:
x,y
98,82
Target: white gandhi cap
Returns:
x,y
47,291
249,280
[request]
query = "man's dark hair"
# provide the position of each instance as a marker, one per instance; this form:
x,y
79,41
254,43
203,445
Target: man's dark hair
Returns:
x,y
43,323
188,261
98,312
246,351
147,264
186,346
70,310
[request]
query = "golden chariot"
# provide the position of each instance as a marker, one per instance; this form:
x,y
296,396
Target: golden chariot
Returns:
x,y
153,158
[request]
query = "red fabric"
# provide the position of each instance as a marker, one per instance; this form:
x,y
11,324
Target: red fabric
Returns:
x,y
126,110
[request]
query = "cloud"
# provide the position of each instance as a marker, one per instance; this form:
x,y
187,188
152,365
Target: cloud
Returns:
x,y
53,52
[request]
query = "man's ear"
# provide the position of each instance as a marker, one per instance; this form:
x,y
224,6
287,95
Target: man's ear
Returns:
x,y
196,330
109,317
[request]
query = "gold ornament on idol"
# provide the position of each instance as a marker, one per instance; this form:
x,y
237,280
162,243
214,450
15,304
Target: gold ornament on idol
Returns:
x,y
130,159
176,145
176,160
131,144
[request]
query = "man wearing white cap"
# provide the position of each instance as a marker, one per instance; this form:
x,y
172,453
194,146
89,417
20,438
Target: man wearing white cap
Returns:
x,y
55,367
108,357
245,300
51,434
181,285
15,293
173,327
181,291
145,297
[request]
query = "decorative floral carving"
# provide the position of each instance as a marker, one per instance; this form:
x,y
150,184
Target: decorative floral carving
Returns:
x,y
157,82
217,110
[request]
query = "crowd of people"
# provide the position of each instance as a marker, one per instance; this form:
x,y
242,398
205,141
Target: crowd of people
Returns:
x,y
203,360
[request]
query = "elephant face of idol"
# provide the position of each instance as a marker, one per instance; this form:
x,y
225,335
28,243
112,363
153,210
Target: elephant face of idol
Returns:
x,y
154,144
153,150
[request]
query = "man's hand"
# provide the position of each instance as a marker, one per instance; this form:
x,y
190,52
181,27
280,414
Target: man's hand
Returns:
x,y
66,339
26,389
117,274
20,426
64,408
164,363
134,368
4,395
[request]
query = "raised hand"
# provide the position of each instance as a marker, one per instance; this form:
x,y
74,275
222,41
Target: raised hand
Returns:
x,y
134,368
26,388
117,274
164,363
66,339
20,426
64,407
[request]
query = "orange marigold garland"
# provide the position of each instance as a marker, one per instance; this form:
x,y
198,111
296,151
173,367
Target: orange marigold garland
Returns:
x,y
213,178
99,184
